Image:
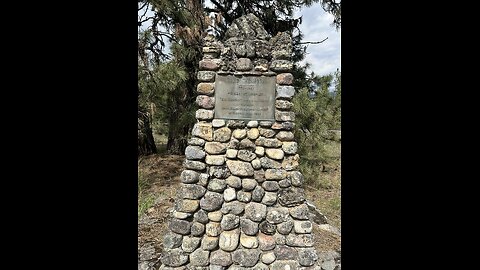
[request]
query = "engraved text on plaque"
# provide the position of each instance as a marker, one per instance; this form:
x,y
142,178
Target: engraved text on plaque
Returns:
x,y
246,97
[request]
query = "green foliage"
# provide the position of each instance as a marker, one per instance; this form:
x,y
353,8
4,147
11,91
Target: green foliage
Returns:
x,y
315,117
145,200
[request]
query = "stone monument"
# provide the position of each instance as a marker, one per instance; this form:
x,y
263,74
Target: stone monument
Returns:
x,y
241,204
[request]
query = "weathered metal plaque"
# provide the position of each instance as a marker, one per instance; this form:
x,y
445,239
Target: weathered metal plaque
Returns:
x,y
245,97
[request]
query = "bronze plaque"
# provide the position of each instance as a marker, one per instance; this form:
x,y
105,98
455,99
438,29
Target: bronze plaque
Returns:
x,y
245,97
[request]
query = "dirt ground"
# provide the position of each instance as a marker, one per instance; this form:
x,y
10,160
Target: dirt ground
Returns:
x,y
160,177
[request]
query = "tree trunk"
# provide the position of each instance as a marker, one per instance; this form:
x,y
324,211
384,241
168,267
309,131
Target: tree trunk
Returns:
x,y
146,144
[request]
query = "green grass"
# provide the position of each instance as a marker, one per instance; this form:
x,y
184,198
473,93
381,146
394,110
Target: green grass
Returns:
x,y
145,200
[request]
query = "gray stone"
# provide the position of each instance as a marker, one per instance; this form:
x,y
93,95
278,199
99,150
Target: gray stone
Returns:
x,y
260,266
253,133
229,194
215,148
232,153
211,201
248,184
291,196
203,179
260,151
276,215
246,257
215,216
284,116
206,76
219,171
230,222
205,102
244,64
236,124
252,124
218,123
284,183
191,191
196,141
279,238
216,267
268,257
328,265
239,134
175,257
270,185
274,153
246,144
186,205
302,226
257,194
213,229
255,211
240,168
266,124
206,89
246,155
229,240
281,65
283,104
215,160
296,178
283,126
203,130
190,243
283,252
285,136
290,147
181,215
259,175
234,207
307,256
209,242
179,226
291,162
284,265
269,198
201,216
233,144
194,152
248,227
194,165
234,181
299,212
272,142
266,132
267,228
285,91
285,227
197,229
172,240
220,257
256,164
244,196
268,163
222,134
209,64
248,241
217,185
199,258
202,114
189,176
300,240
266,242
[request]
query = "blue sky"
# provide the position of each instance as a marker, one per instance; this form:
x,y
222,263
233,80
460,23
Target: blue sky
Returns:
x,y
316,26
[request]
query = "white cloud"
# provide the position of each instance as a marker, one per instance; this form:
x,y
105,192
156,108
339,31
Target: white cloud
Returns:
x,y
316,26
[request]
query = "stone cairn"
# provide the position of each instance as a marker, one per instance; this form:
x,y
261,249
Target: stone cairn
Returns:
x,y
241,204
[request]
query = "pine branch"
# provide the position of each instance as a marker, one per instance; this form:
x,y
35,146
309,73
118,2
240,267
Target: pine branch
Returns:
x,y
313,42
